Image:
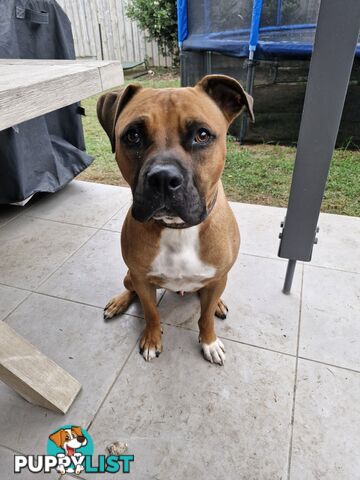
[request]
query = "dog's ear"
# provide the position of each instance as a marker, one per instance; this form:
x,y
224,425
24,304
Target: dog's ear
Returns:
x,y
58,438
228,94
109,107
77,431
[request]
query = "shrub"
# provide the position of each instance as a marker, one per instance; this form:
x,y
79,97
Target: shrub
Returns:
x,y
159,19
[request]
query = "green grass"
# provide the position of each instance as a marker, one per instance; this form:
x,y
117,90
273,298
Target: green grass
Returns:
x,y
253,173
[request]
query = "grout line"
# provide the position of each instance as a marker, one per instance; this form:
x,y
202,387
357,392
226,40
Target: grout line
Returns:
x,y
295,378
347,369
100,227
233,340
96,230
58,298
62,223
113,383
171,325
12,219
18,305
306,264
67,259
311,265
268,257
126,206
161,297
11,449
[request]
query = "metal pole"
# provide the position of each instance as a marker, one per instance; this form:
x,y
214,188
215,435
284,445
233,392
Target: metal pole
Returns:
x,y
208,62
250,73
290,270
250,77
330,68
101,42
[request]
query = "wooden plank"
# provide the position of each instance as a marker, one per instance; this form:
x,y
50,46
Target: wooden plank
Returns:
x,y
28,90
68,10
57,63
135,44
126,37
76,28
88,14
155,52
111,77
84,32
148,53
105,34
34,376
95,27
115,29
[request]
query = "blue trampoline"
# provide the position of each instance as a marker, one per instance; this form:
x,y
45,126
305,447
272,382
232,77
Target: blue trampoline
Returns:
x,y
259,29
266,45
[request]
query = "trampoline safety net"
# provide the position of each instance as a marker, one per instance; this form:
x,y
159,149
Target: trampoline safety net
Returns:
x,y
266,45
284,28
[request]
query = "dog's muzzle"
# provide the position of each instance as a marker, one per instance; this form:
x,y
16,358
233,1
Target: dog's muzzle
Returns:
x,y
166,192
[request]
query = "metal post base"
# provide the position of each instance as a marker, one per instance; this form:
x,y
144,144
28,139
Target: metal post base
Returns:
x,y
289,276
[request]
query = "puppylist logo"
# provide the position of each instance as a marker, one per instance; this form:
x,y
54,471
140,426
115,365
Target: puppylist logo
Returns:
x,y
70,449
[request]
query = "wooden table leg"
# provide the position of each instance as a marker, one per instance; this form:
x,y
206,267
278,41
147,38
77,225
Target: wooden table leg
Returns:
x,y
34,376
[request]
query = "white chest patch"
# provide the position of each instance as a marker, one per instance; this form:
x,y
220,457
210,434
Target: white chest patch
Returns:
x,y
178,264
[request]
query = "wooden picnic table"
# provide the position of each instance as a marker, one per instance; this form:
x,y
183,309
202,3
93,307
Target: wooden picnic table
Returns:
x,y
30,88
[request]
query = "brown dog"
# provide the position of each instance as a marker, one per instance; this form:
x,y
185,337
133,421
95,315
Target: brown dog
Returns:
x,y
180,233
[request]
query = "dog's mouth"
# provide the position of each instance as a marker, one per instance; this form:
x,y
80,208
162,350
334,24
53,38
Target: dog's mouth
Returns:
x,y
171,222
169,218
70,451
178,213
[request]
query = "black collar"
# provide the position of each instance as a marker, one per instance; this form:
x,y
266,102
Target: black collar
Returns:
x,y
186,225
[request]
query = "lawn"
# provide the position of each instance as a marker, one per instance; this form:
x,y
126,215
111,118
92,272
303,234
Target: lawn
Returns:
x,y
253,173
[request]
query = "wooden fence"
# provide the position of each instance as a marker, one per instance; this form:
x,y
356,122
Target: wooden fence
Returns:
x,y
102,30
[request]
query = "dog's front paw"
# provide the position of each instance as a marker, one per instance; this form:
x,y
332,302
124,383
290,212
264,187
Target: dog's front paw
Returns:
x,y
61,469
78,469
150,344
214,352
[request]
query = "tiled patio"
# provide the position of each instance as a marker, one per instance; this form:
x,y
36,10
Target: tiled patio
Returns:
x,y
286,403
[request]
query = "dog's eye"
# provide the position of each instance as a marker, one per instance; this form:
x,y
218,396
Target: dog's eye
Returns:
x,y
133,137
202,137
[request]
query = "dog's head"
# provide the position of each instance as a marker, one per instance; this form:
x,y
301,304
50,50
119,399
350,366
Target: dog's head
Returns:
x,y
69,439
170,144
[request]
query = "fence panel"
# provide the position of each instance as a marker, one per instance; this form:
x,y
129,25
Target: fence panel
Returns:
x,y
101,29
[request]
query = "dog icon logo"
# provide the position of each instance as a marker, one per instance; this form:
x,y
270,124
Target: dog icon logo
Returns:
x,y
70,449
69,441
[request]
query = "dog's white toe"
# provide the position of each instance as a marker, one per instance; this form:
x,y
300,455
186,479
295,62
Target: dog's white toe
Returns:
x,y
214,352
149,354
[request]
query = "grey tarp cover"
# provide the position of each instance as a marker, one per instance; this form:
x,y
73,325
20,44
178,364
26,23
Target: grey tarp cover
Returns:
x,y
43,154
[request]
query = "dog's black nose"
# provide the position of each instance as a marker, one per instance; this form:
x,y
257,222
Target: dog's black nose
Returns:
x,y
164,178
80,438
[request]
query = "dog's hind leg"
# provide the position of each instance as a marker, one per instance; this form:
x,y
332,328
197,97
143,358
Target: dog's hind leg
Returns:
x,y
120,303
221,310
